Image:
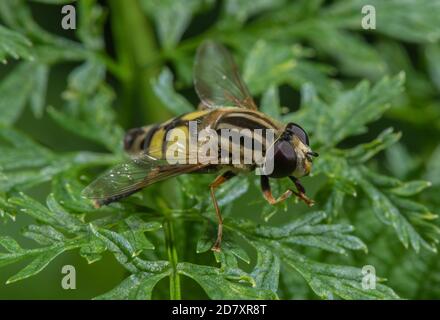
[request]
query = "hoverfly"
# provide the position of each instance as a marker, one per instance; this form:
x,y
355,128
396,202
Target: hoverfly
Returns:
x,y
225,103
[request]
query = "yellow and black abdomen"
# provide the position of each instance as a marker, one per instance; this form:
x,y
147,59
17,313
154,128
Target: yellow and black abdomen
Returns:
x,y
152,139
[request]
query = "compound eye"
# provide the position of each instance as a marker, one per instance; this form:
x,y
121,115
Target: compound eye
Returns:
x,y
299,132
283,159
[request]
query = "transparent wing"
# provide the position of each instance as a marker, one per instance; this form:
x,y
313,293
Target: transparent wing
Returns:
x,y
132,175
217,80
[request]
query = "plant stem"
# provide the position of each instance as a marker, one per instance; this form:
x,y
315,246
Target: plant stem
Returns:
x,y
139,58
175,291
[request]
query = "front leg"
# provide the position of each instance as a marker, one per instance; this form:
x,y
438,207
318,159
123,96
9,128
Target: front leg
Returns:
x,y
267,192
301,193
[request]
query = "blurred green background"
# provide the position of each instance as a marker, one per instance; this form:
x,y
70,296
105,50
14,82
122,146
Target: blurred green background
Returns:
x,y
332,51
91,278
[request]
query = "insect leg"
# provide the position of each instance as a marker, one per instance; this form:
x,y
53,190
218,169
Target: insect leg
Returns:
x,y
215,184
301,193
267,192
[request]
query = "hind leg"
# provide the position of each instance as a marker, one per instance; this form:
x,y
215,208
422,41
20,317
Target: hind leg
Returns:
x,y
214,185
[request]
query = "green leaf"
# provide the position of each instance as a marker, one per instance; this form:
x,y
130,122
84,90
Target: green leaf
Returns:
x,y
347,48
163,87
331,281
270,103
363,105
139,241
92,250
85,79
135,223
232,247
234,189
9,258
126,253
411,188
44,235
364,152
20,151
133,230
432,173
95,120
204,243
60,52
138,286
12,102
38,95
28,178
6,210
269,64
327,281
432,53
32,79
307,231
67,191
117,244
411,20
399,161
389,213
10,244
92,17
351,111
53,1
37,265
61,215
172,18
53,215
267,269
241,10
217,285
333,199
15,45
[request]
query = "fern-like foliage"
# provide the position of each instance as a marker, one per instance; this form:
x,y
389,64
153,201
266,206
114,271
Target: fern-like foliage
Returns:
x,y
366,212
